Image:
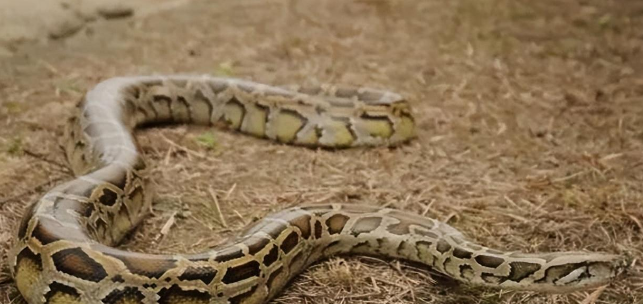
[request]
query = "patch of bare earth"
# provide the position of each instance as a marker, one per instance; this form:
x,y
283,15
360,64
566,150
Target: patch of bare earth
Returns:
x,y
529,130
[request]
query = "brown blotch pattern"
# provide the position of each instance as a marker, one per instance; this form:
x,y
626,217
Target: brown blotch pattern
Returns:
x,y
489,261
442,246
206,274
521,270
365,225
289,242
75,262
336,223
108,198
175,295
124,296
271,257
461,253
318,229
241,272
303,223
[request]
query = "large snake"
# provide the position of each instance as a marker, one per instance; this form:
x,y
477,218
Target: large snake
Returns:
x,y
63,251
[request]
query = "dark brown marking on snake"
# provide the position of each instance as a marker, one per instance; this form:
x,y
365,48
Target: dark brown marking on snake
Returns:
x,y
108,198
271,256
401,228
365,225
318,229
256,243
461,253
175,294
238,299
64,291
289,242
125,295
303,224
336,223
442,246
489,261
75,262
228,253
204,273
521,270
118,279
241,272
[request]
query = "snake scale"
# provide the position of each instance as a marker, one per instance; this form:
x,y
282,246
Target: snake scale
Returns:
x,y
64,251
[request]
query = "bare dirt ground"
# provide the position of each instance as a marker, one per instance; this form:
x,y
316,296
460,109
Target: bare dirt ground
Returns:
x,y
530,119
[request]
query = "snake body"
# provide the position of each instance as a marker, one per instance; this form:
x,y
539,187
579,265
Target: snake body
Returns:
x,y
64,246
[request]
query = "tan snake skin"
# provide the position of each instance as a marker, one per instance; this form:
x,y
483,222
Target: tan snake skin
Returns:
x,y
64,253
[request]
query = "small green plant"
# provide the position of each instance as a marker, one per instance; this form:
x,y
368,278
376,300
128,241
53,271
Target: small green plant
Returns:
x,y
207,140
15,146
225,69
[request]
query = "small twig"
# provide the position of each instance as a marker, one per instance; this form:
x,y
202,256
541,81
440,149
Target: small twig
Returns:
x,y
182,148
166,227
41,157
592,297
217,208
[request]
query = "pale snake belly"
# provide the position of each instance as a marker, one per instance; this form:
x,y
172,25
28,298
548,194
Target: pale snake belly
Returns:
x,y
63,251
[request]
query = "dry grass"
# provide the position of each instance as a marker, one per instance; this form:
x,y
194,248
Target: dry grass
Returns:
x,y
529,120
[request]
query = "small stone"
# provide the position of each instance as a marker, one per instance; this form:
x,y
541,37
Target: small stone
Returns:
x,y
66,28
115,11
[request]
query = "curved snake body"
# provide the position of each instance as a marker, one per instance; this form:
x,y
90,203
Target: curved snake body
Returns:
x,y
64,253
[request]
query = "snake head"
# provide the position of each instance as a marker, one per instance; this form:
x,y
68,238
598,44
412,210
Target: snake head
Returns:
x,y
577,272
